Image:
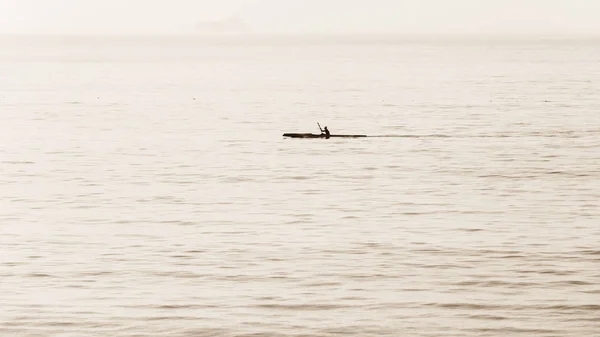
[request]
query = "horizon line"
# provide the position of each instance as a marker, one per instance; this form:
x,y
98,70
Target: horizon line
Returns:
x,y
299,34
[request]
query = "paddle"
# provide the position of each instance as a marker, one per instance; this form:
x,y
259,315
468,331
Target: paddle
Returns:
x,y
320,127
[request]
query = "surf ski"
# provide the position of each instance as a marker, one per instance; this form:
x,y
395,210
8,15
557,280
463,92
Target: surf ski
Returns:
x,y
312,135
324,134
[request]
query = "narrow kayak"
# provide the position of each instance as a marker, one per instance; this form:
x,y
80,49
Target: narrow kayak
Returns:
x,y
312,135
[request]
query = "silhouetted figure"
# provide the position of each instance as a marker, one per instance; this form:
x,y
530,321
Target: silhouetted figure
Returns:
x,y
325,132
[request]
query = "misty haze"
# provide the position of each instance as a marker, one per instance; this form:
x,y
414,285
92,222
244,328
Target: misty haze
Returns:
x,y
299,168
310,16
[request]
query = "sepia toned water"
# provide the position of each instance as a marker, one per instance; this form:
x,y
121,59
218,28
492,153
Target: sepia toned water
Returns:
x,y
146,190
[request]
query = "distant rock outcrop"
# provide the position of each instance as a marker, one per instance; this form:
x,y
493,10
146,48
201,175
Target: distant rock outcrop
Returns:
x,y
231,25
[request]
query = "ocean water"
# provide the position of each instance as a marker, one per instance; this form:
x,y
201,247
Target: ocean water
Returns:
x,y
146,190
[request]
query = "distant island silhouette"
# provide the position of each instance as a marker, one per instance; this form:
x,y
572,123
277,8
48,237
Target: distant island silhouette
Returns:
x,y
230,25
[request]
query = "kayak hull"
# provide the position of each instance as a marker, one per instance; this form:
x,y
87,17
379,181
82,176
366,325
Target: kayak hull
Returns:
x,y
312,135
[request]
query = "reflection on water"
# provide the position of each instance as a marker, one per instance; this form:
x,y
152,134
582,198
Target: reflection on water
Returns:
x,y
142,195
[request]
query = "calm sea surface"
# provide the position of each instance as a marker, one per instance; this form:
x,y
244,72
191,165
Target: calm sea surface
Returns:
x,y
146,190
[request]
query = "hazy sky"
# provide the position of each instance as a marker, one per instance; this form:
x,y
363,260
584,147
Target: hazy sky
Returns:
x,y
304,16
